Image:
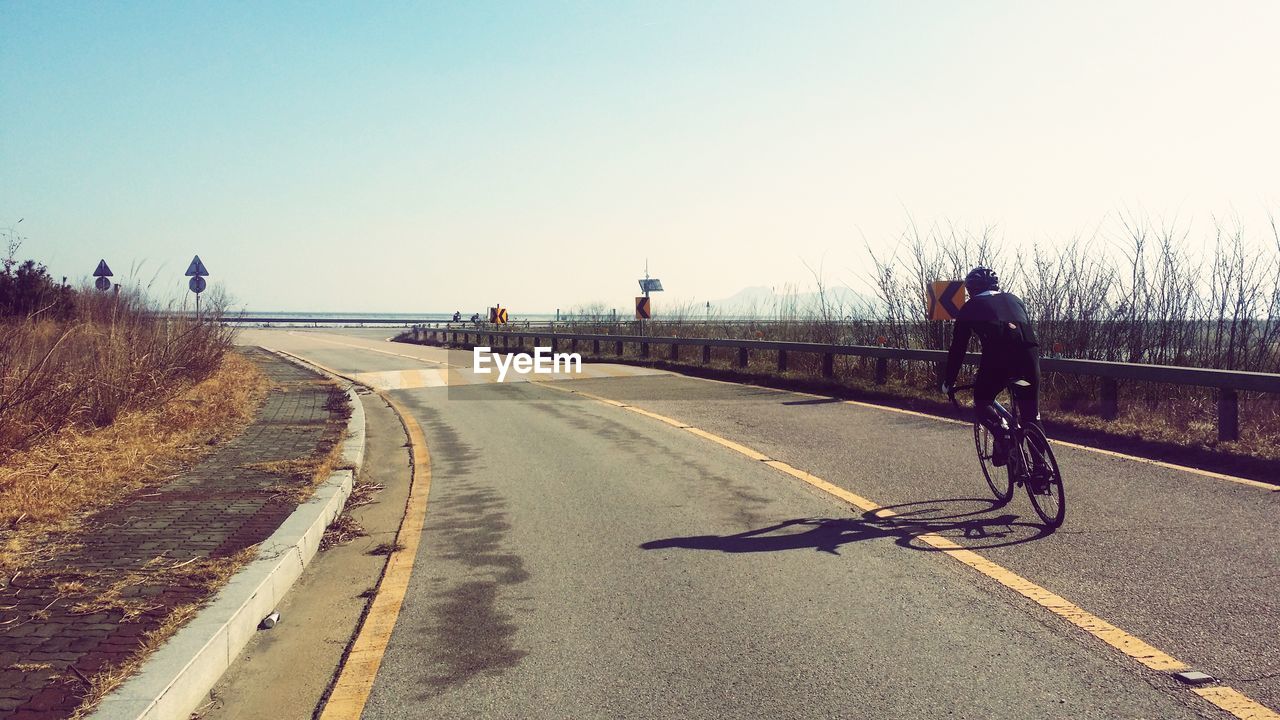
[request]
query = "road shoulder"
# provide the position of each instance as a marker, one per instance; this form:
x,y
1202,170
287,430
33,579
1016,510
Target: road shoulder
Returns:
x,y
286,672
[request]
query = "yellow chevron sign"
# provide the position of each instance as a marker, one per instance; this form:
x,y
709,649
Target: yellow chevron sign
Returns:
x,y
945,297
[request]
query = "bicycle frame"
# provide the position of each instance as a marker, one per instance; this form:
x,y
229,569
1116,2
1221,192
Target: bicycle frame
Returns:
x,y
1035,469
1013,417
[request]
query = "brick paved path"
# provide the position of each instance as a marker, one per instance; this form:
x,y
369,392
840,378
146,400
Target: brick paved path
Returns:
x,y
88,609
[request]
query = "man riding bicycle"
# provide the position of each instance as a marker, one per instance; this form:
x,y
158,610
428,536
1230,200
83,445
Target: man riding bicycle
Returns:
x,y
1010,352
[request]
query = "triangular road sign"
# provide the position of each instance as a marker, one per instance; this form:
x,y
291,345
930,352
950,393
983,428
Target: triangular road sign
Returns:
x,y
103,270
196,268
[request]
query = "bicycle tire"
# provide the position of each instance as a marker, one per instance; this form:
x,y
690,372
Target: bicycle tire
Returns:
x,y
1050,503
984,442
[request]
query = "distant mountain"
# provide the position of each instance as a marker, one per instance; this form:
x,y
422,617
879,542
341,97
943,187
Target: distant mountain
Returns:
x,y
763,300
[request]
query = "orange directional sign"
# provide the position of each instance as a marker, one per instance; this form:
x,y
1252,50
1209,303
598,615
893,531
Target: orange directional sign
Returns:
x,y
946,297
498,315
642,308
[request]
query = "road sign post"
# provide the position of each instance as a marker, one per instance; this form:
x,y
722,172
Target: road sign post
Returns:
x,y
644,310
197,272
945,298
102,273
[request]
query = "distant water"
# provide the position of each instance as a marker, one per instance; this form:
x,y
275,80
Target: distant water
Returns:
x,y
363,317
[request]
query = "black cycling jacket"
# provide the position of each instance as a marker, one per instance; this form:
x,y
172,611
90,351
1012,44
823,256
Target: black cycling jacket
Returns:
x,y
1001,323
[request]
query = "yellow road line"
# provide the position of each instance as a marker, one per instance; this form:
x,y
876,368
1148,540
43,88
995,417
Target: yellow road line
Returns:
x,y
1126,643
1237,704
729,444
1111,453
1171,466
660,418
360,667
606,401
853,499
1226,698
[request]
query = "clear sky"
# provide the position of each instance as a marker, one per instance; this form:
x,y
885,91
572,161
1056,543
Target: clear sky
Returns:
x,y
438,156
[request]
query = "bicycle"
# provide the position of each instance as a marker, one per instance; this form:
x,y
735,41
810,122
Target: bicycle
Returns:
x,y
1042,480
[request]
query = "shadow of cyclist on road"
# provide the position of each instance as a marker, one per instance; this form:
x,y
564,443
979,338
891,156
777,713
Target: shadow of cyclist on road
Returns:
x,y
946,518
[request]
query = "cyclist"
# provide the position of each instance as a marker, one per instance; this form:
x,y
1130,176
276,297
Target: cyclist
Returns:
x,y
1010,351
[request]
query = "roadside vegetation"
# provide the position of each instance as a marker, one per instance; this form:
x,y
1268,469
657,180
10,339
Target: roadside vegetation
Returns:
x,y
100,394
1141,292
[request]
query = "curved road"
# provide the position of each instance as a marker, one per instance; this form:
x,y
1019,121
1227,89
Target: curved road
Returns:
x,y
584,559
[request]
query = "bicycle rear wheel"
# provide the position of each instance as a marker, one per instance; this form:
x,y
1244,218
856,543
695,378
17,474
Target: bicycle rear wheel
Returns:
x,y
1001,483
1043,479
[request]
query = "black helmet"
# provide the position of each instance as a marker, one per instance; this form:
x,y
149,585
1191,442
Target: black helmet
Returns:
x,y
980,280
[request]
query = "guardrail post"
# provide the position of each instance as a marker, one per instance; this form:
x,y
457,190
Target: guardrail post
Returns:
x,y
455,338
595,347
1110,399
828,365
506,341
706,354
1228,415
675,352
782,361
573,345
742,357
882,371
555,343
618,348
644,349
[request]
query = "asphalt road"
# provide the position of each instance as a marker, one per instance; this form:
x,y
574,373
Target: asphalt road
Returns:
x,y
580,560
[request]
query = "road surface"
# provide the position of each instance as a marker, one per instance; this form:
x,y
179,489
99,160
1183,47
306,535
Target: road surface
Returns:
x,y
584,559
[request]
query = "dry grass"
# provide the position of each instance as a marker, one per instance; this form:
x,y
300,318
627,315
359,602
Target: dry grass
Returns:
x,y
114,353
112,593
51,485
300,477
386,548
342,531
346,528
299,469
363,493
206,575
30,667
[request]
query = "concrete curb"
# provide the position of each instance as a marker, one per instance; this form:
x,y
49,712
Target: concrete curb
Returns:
x,y
178,676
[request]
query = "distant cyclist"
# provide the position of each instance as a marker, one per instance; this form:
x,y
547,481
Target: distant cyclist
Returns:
x,y
1010,351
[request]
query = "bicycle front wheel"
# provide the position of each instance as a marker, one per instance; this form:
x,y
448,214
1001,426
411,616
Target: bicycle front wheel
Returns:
x,y
1000,482
1043,479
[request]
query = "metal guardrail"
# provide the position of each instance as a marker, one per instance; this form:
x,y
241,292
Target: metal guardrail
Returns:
x,y
312,320
1228,383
